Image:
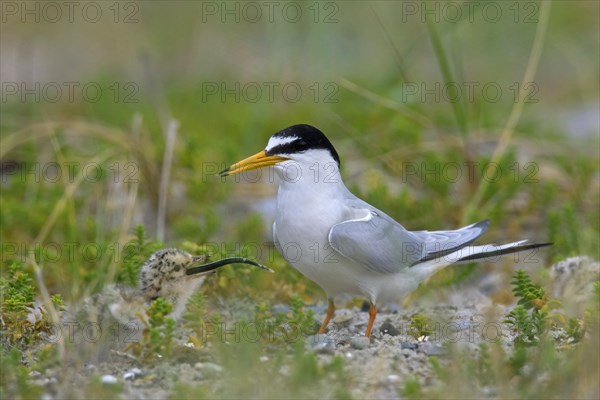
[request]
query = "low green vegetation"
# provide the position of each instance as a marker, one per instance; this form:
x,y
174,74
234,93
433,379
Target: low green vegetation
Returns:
x,y
529,317
532,361
420,327
160,329
23,322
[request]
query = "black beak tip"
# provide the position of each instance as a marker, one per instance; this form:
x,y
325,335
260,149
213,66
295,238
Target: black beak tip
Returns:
x,y
225,172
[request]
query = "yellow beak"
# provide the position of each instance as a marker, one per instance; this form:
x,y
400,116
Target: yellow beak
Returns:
x,y
258,160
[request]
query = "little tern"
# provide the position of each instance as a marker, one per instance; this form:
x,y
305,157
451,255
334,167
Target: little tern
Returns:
x,y
342,243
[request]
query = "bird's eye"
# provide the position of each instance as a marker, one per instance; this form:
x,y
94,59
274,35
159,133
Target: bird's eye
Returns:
x,y
177,267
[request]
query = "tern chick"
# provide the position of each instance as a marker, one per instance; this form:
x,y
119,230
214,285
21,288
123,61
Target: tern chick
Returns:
x,y
119,312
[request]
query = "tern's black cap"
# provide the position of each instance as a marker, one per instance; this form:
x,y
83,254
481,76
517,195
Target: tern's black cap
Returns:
x,y
302,137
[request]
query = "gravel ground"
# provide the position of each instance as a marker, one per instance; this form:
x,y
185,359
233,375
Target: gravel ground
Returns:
x,y
376,366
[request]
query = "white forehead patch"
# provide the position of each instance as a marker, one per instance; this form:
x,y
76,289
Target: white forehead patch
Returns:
x,y
278,141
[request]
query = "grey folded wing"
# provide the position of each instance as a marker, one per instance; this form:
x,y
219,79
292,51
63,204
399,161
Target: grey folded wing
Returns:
x,y
380,244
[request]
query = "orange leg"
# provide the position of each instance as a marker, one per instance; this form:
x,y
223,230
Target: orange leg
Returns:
x,y
372,315
330,312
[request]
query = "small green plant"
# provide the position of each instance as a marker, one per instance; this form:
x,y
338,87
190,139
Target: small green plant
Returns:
x,y
596,301
529,317
15,379
528,324
161,327
412,389
18,291
135,253
528,294
157,339
592,314
58,300
262,311
420,326
194,317
23,321
295,324
575,328
307,371
484,370
303,320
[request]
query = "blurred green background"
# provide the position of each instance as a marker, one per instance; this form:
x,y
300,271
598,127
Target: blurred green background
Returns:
x,y
105,79
444,113
411,94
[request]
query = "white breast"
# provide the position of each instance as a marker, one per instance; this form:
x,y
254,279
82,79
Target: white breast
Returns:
x,y
307,208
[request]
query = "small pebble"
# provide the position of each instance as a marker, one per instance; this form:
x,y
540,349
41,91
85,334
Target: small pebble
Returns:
x,y
460,324
280,309
343,316
132,374
321,344
393,378
489,391
388,329
263,359
35,374
318,308
365,306
393,308
109,379
407,352
409,345
209,368
284,370
359,342
432,349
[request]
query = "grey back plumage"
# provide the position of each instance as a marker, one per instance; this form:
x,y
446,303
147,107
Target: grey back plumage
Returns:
x,y
391,247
